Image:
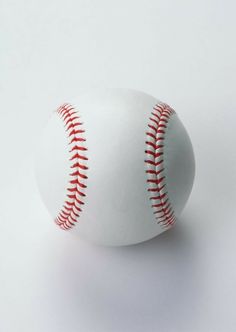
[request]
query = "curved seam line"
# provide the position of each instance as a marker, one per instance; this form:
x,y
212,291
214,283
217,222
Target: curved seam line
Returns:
x,y
76,186
155,138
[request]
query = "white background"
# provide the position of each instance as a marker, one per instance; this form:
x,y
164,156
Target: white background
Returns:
x,y
182,52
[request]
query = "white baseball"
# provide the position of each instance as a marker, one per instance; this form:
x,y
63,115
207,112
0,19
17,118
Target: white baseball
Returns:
x,y
115,166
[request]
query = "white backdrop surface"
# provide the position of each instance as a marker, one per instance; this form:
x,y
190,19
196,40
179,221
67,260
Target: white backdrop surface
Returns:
x,y
182,52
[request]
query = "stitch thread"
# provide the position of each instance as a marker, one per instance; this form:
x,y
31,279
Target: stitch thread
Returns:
x,y
75,192
154,162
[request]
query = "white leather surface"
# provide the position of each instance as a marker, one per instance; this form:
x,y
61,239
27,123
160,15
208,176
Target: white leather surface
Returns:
x,y
117,209
179,164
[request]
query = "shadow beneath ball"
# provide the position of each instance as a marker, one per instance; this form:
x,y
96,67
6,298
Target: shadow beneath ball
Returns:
x,y
133,288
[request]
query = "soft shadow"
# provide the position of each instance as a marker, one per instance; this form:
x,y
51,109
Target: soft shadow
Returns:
x,y
133,288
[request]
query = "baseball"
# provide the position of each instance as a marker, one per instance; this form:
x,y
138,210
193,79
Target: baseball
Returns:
x,y
116,166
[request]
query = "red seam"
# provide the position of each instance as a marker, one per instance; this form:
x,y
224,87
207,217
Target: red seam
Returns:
x,y
75,192
155,136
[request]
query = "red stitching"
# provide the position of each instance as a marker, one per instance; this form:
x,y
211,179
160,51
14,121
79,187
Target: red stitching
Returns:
x,y
78,156
81,148
71,119
155,135
75,193
73,125
153,163
77,139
